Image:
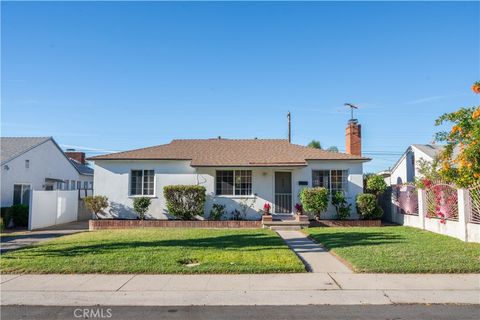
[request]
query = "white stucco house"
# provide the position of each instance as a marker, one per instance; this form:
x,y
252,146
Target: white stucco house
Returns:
x,y
38,163
406,168
252,171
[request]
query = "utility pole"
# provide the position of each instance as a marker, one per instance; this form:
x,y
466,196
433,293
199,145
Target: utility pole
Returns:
x,y
289,127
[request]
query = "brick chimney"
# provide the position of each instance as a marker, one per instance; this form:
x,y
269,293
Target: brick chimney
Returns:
x,y
76,155
354,138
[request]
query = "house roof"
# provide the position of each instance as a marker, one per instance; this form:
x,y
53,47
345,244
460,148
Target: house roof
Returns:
x,y
12,147
82,168
431,150
231,152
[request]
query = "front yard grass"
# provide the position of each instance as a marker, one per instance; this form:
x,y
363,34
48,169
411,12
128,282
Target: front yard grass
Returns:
x,y
157,251
399,250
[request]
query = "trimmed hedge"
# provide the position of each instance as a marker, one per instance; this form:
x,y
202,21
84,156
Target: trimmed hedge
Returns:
x,y
368,207
18,213
185,201
314,200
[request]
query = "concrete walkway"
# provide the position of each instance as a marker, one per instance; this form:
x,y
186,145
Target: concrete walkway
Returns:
x,y
315,258
243,289
27,238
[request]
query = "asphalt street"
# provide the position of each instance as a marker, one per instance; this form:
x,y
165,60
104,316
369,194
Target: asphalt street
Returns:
x,y
384,312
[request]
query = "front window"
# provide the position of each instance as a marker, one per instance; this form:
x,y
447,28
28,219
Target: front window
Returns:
x,y
142,182
79,185
333,180
21,194
234,182
72,185
85,185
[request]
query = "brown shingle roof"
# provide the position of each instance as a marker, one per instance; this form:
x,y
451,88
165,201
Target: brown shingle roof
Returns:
x,y
229,152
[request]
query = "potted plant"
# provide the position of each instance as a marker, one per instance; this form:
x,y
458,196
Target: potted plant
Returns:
x,y
266,212
299,213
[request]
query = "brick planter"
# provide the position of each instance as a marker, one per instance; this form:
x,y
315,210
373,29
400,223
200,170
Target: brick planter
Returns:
x,y
130,224
301,218
267,218
345,223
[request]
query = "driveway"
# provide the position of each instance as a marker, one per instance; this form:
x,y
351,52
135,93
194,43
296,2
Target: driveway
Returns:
x,y
27,238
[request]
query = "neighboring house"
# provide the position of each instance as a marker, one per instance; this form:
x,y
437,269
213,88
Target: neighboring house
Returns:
x,y
406,168
38,163
234,172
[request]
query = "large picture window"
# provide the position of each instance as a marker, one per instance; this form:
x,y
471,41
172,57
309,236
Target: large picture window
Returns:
x,y
142,182
333,180
234,182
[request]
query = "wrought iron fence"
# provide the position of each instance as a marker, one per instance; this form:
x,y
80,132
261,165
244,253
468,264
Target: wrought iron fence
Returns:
x,y
442,201
474,204
405,199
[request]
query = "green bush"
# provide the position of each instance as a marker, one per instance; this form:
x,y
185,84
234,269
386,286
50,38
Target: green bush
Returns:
x,y
376,185
185,201
19,214
314,200
96,204
368,207
217,212
2,225
6,215
341,205
140,205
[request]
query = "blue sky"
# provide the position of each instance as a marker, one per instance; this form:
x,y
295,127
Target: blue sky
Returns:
x,y
116,76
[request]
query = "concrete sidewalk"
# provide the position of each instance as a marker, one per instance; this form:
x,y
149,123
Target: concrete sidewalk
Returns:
x,y
315,257
244,289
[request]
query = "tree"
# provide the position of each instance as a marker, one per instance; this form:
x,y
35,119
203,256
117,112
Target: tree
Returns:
x,y
315,144
376,185
460,160
96,203
332,149
140,205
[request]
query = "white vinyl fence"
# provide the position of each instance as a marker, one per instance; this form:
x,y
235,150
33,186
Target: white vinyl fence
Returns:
x,y
440,208
49,208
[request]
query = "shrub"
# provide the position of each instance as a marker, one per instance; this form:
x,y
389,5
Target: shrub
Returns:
x,y
376,185
6,215
185,201
19,214
367,206
217,212
314,200
341,205
96,204
2,225
140,205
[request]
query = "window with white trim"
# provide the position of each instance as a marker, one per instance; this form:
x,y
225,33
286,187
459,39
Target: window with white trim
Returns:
x,y
85,185
142,182
333,180
234,182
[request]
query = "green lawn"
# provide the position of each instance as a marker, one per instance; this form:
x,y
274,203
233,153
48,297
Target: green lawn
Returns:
x,y
399,250
157,251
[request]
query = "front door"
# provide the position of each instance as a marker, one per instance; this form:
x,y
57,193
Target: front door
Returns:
x,y
283,192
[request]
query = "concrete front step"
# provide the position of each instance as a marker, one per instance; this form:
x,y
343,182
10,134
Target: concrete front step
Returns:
x,y
285,228
286,225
